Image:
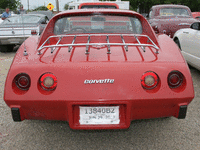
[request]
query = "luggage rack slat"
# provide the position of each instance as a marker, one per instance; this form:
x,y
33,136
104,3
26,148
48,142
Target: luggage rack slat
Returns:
x,y
52,49
108,44
107,39
125,46
87,46
70,47
143,47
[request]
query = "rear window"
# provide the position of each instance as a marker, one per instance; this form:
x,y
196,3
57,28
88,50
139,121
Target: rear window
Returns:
x,y
174,12
98,24
22,19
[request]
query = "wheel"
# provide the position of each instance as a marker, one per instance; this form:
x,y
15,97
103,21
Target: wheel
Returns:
x,y
3,48
178,43
6,48
10,48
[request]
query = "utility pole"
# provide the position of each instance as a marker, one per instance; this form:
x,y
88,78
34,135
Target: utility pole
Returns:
x,y
28,4
57,6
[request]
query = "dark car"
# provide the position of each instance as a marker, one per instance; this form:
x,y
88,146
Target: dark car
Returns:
x,y
169,18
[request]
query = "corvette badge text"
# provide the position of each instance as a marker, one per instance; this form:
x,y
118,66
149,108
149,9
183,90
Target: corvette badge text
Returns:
x,y
101,81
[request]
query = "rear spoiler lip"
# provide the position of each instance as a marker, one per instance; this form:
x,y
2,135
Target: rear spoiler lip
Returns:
x,y
19,25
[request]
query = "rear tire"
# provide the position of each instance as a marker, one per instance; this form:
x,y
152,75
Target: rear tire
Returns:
x,y
10,48
3,48
6,48
177,43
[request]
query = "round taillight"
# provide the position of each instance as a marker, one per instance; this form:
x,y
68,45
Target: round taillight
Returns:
x,y
149,80
48,81
22,81
175,79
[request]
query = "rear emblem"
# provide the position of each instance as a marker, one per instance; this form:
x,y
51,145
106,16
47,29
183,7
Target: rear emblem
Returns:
x,y
13,32
101,81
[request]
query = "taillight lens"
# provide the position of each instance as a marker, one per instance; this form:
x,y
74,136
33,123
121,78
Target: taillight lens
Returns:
x,y
33,32
22,81
149,80
175,79
48,81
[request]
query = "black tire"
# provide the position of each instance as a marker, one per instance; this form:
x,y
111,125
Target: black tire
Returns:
x,y
6,48
3,48
178,43
10,48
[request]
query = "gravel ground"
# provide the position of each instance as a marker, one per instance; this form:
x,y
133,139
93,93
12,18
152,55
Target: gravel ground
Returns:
x,y
149,134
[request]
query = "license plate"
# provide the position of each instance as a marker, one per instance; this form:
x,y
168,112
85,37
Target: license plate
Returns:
x,y
14,41
99,115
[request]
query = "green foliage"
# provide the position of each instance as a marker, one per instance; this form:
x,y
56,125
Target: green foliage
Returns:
x,y
66,6
40,8
12,4
18,3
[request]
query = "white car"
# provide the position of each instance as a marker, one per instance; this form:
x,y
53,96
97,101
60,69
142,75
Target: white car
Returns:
x,y
188,40
1,19
12,14
15,29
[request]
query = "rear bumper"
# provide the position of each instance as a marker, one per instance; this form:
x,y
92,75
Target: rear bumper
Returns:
x,y
69,110
9,40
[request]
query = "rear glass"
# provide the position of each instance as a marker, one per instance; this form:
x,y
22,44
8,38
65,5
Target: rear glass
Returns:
x,y
198,18
174,12
98,24
22,19
98,7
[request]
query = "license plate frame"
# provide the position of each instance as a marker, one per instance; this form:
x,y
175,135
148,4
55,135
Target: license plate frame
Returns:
x,y
99,115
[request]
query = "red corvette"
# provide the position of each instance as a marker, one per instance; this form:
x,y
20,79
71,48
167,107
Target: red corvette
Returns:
x,y
99,75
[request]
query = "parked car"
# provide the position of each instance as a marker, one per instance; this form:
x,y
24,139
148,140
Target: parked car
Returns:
x,y
15,29
12,14
49,14
196,15
98,5
188,41
169,18
1,20
100,75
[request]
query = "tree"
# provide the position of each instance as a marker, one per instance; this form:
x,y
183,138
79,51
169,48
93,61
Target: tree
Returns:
x,y
40,8
66,6
12,4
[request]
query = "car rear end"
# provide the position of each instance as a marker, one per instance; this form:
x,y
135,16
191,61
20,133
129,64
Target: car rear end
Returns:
x,y
16,34
169,26
99,80
168,19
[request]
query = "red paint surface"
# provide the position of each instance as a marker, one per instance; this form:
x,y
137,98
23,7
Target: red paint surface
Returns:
x,y
102,3
72,69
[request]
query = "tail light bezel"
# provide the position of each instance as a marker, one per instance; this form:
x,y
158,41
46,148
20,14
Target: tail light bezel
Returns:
x,y
34,32
144,77
48,75
177,74
17,82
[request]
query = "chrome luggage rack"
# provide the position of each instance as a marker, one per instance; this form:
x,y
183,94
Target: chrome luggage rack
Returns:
x,y
108,44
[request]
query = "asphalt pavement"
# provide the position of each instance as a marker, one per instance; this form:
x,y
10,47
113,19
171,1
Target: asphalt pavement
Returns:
x,y
149,134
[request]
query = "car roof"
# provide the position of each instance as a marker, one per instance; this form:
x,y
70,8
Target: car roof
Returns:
x,y
169,5
97,11
49,14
